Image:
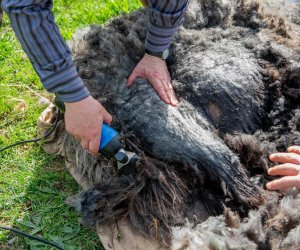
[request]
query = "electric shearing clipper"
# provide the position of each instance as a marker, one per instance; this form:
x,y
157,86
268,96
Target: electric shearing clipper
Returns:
x,y
111,146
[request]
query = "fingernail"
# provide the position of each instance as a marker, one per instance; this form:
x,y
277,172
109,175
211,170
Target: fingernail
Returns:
x,y
176,102
272,156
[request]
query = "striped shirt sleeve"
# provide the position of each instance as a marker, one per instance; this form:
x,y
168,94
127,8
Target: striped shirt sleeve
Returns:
x,y
34,25
166,16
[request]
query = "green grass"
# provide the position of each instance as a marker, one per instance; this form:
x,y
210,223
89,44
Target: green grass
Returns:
x,y
34,185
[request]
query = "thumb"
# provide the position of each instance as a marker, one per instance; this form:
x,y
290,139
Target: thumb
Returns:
x,y
135,73
107,118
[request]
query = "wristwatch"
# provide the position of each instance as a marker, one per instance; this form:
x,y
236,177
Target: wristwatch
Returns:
x,y
162,55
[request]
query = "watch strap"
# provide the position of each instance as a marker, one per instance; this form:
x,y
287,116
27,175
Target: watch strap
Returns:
x,y
161,54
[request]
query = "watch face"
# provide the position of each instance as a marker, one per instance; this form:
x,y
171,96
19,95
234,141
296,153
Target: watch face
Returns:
x,y
165,54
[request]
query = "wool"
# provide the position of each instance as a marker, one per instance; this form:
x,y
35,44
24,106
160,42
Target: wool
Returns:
x,y
275,227
236,73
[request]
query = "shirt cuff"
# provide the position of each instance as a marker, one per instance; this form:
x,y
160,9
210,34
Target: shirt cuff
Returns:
x,y
66,84
159,38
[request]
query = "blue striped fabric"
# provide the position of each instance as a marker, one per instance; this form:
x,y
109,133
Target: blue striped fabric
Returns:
x,y
166,16
34,25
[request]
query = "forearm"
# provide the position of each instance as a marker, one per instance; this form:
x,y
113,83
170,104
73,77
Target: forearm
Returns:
x,y
34,25
166,16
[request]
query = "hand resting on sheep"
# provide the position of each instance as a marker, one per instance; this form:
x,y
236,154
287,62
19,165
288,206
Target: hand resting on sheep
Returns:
x,y
290,169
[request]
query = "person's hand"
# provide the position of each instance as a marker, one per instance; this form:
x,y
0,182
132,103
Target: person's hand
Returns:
x,y
84,121
156,72
290,169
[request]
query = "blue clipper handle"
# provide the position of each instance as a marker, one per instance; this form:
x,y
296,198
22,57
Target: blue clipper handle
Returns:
x,y
107,134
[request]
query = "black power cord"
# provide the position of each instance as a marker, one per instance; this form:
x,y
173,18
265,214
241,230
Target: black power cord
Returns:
x,y
47,242
36,139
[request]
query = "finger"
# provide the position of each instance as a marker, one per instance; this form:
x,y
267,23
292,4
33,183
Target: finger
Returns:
x,y
294,149
107,117
285,158
85,145
95,142
132,77
160,90
171,93
284,182
284,169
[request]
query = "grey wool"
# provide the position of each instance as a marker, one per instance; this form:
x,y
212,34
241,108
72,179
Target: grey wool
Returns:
x,y
200,180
